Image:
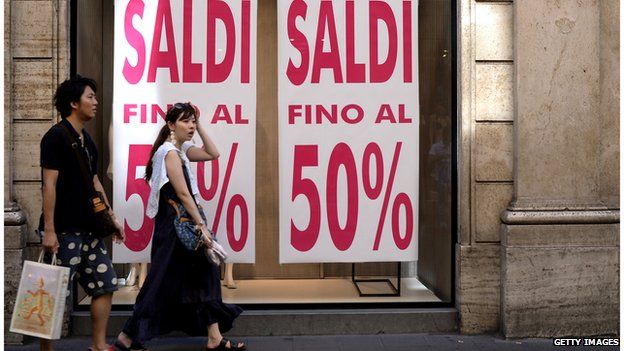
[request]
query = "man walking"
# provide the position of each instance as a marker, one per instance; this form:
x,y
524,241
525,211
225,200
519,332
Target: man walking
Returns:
x,y
68,219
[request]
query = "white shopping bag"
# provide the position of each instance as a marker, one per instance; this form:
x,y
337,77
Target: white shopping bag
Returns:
x,y
40,302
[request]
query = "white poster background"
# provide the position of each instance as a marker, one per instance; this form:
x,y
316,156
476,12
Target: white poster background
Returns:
x,y
142,96
370,96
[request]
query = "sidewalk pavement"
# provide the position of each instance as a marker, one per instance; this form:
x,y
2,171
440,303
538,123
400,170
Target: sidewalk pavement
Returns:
x,y
405,342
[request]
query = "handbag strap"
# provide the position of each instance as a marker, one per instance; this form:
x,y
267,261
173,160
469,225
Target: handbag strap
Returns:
x,y
187,180
88,180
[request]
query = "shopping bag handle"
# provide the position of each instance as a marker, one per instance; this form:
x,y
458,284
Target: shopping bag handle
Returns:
x,y
40,260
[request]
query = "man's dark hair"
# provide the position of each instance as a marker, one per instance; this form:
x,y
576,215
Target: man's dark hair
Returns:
x,y
70,91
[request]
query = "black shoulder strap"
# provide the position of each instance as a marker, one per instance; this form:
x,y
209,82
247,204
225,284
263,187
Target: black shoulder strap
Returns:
x,y
187,180
86,174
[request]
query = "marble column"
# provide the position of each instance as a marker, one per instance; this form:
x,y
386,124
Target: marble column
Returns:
x,y
560,233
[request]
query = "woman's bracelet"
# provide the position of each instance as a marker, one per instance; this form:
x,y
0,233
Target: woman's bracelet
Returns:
x,y
199,225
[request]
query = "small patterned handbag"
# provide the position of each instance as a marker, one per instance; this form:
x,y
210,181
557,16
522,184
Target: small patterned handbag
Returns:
x,y
191,238
185,227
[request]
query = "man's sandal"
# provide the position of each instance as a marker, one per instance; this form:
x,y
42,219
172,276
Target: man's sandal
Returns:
x,y
108,348
223,346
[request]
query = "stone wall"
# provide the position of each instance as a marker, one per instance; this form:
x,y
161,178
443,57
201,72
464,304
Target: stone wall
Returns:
x,y
560,280
486,110
8,181
36,59
14,253
610,102
39,62
560,252
539,126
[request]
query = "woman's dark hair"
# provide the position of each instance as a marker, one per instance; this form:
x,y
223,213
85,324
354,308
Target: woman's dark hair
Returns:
x,y
70,91
181,110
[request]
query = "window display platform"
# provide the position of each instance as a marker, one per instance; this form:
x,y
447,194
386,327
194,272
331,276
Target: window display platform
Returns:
x,y
329,290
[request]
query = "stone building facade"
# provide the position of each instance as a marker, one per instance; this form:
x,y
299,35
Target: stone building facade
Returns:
x,y
539,167
36,49
538,158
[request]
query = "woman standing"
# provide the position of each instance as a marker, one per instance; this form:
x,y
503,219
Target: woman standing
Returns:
x,y
182,290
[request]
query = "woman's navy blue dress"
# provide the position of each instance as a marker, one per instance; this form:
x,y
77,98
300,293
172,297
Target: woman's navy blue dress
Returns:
x,y
182,291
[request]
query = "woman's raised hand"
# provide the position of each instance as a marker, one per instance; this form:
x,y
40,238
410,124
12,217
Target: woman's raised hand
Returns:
x,y
197,113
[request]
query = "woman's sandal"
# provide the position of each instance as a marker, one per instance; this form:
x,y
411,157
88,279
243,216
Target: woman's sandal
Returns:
x,y
223,346
135,346
108,348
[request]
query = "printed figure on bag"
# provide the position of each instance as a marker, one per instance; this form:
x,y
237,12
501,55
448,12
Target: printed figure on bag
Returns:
x,y
36,305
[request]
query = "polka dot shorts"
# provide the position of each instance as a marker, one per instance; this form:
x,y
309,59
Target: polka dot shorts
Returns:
x,y
88,260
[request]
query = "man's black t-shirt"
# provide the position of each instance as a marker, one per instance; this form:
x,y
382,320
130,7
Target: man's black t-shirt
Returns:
x,y
73,209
